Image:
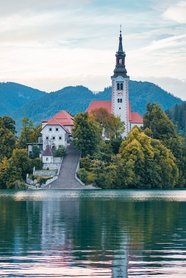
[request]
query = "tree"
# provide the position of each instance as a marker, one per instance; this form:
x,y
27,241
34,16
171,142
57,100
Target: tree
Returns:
x,y
159,126
35,152
86,133
60,151
28,134
8,142
8,123
37,163
21,162
112,126
158,122
12,175
153,164
3,167
101,115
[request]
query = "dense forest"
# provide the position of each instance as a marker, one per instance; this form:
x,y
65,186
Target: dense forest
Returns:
x,y
177,114
150,157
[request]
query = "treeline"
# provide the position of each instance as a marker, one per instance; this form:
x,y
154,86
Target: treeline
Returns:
x,y
150,157
178,115
14,160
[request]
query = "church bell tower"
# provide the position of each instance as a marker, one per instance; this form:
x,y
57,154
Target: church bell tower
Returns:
x,y
120,81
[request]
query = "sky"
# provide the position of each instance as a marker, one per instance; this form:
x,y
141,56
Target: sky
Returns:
x,y
50,44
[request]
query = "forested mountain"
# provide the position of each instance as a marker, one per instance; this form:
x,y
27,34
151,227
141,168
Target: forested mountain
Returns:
x,y
14,96
178,115
18,101
72,99
140,93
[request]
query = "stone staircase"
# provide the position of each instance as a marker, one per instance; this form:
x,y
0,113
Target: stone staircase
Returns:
x,y
66,179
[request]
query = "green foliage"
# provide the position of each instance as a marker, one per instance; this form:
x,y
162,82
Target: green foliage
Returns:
x,y
60,151
86,162
7,135
37,163
177,114
43,179
19,184
8,143
86,134
159,126
3,167
82,175
21,161
28,134
8,123
35,152
158,122
10,176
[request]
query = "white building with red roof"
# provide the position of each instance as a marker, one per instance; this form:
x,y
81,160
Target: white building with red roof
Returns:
x,y
56,131
119,105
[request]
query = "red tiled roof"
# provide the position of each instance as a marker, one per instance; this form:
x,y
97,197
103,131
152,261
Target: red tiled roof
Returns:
x,y
99,103
62,118
136,118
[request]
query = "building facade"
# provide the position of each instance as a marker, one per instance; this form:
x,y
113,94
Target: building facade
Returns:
x,y
56,131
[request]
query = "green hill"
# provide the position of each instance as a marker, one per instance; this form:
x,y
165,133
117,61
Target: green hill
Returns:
x,y
140,93
14,95
38,105
72,99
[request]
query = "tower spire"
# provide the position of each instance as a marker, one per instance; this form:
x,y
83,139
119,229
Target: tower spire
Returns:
x,y
120,48
120,69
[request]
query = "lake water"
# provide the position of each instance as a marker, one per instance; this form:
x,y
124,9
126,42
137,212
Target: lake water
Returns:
x,y
89,233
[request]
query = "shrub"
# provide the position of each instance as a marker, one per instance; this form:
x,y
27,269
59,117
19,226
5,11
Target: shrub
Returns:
x,y
60,151
82,175
37,163
19,184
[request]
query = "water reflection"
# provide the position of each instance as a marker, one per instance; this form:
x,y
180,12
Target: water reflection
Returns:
x,y
92,233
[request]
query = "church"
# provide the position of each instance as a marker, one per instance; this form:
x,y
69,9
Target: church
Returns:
x,y
119,104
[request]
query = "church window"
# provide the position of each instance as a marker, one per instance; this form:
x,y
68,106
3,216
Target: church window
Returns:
x,y
56,128
46,137
120,86
53,137
119,100
50,129
60,137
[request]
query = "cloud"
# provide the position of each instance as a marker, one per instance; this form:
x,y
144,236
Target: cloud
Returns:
x,y
10,7
176,12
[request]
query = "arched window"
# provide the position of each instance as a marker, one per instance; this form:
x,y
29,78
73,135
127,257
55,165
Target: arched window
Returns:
x,y
118,86
119,100
121,86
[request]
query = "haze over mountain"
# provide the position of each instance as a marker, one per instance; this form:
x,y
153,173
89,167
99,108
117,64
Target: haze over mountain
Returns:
x,y
18,101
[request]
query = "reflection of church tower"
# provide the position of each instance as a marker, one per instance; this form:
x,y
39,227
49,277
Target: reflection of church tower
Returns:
x,y
120,80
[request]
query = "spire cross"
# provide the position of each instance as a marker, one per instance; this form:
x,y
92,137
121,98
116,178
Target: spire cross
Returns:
x,y
120,29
